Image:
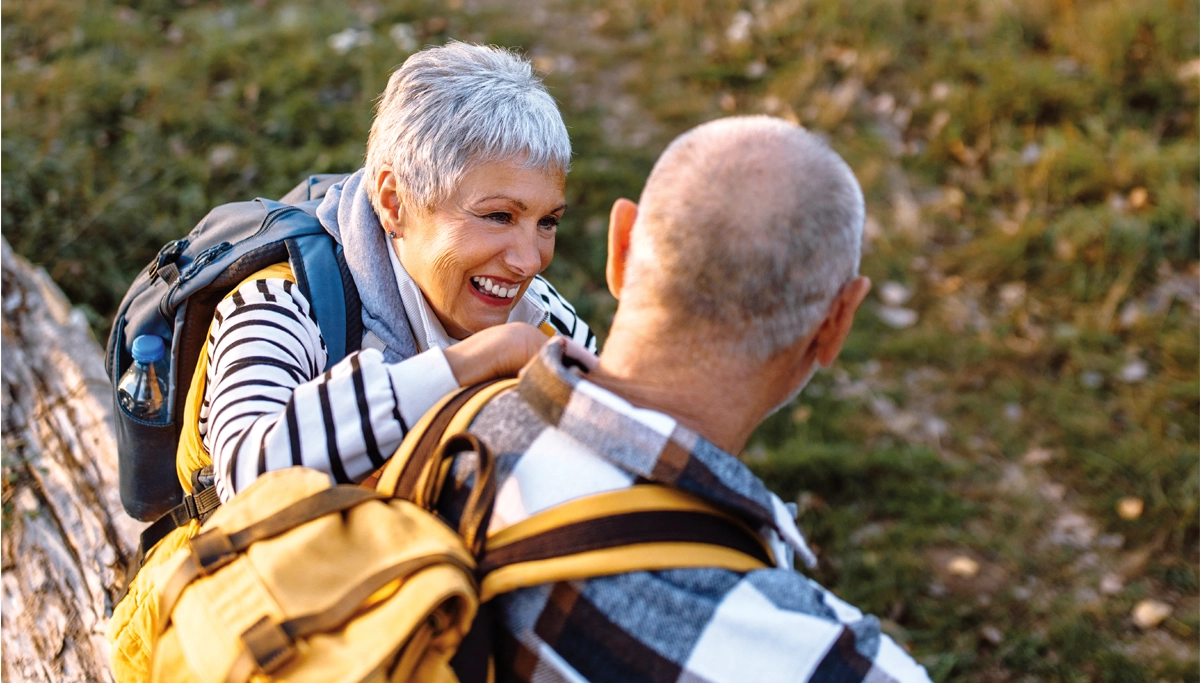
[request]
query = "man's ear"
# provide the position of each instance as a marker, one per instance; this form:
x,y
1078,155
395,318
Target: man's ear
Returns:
x,y
620,227
836,326
392,217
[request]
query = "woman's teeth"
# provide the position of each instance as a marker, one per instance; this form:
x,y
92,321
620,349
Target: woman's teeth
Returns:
x,y
496,290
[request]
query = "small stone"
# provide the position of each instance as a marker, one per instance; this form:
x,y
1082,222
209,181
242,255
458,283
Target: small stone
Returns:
x,y
1150,613
1013,412
344,41
1073,529
1037,456
894,294
1131,313
897,317
1053,492
739,29
1012,294
883,104
1138,197
991,634
1111,584
221,156
1189,70
1130,507
1134,372
404,36
939,91
963,566
1031,154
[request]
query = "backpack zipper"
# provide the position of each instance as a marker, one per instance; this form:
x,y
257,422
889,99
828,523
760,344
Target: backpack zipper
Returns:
x,y
202,259
211,254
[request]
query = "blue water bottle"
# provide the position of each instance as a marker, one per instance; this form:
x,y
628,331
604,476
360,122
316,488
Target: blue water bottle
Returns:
x,y
142,390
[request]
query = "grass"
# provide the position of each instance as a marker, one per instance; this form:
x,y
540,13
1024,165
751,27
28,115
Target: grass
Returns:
x,y
1031,177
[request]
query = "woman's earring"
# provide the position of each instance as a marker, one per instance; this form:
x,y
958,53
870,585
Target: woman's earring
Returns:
x,y
392,234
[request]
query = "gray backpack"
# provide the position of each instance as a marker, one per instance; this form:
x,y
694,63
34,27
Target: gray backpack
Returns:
x,y
175,297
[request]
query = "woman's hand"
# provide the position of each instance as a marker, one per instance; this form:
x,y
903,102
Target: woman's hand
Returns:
x,y
494,352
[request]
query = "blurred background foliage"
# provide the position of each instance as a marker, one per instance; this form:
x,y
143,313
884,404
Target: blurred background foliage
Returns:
x,y
1002,465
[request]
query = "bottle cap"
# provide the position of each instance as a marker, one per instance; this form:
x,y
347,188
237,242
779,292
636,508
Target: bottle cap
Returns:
x,y
148,348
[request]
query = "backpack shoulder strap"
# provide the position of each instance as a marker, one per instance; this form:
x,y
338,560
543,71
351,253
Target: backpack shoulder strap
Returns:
x,y
413,471
642,528
322,274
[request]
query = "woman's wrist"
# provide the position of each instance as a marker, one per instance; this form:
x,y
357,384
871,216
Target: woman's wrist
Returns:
x,y
493,353
468,367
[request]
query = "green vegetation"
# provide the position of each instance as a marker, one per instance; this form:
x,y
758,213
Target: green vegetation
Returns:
x,y
1028,361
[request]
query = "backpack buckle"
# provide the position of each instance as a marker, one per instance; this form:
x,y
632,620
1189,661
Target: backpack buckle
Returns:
x,y
213,550
167,256
269,645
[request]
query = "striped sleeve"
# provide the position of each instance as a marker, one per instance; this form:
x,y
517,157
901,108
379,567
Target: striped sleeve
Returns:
x,y
562,314
268,405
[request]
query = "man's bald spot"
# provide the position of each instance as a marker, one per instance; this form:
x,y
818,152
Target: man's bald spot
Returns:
x,y
741,171
745,226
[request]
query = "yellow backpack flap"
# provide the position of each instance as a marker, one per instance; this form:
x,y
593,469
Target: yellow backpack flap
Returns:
x,y
298,580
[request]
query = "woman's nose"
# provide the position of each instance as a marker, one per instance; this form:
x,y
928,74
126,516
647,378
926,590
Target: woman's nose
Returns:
x,y
523,257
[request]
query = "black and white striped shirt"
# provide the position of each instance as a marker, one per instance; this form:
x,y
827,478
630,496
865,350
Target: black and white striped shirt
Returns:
x,y
268,405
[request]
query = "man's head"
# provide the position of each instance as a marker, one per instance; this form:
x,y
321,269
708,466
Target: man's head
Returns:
x,y
744,248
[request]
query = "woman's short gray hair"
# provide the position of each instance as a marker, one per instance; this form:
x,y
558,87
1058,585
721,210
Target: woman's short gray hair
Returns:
x,y
448,108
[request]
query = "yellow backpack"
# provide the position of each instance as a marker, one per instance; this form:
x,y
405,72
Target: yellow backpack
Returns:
x,y
296,579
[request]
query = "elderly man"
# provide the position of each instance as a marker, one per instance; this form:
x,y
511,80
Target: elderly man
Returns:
x,y
737,278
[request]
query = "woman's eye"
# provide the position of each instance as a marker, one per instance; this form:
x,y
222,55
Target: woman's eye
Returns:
x,y
548,223
499,217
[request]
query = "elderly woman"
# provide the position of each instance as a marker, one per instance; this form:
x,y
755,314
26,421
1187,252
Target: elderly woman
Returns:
x,y
445,231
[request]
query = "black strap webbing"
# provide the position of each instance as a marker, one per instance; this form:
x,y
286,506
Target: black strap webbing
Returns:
x,y
658,526
196,506
426,448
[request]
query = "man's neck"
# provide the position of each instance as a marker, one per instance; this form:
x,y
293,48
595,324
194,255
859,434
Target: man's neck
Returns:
x,y
720,400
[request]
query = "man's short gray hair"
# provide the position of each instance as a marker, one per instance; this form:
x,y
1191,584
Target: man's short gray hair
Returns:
x,y
449,108
746,230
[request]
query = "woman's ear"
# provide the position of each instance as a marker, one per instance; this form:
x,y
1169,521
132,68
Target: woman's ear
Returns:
x,y
392,216
620,226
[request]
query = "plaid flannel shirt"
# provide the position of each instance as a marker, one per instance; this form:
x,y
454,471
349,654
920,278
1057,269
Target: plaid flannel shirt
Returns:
x,y
557,437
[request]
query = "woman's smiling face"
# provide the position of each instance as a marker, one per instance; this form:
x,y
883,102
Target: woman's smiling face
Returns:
x,y
474,254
